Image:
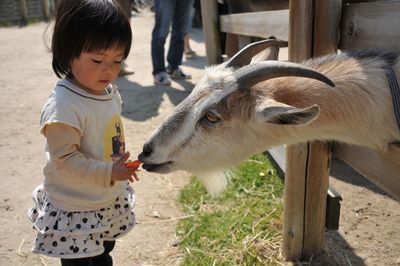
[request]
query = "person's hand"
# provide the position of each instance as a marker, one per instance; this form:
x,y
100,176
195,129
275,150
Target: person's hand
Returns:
x,y
122,170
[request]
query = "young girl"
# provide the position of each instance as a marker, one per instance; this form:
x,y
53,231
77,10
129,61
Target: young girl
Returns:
x,y
85,202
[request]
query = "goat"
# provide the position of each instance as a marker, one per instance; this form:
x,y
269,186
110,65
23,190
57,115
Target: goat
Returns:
x,y
239,109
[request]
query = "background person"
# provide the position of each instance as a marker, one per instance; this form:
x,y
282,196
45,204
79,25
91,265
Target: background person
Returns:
x,y
174,14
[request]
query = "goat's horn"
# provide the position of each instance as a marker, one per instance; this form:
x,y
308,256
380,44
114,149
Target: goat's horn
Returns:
x,y
243,57
250,75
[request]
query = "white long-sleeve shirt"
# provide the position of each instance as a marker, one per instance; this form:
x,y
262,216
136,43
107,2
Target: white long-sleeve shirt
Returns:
x,y
84,135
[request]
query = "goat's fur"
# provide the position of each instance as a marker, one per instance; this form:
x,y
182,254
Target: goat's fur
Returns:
x,y
285,110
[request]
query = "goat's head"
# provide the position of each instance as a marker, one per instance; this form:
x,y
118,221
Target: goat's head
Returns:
x,y
224,120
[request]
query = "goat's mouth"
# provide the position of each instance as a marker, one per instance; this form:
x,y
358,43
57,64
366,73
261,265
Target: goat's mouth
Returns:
x,y
158,168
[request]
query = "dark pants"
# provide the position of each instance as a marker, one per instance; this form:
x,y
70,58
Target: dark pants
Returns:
x,y
103,259
167,12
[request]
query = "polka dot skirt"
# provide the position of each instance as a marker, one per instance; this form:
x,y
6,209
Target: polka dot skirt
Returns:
x,y
79,234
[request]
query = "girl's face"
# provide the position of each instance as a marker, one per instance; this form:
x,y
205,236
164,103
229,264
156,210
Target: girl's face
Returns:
x,y
93,71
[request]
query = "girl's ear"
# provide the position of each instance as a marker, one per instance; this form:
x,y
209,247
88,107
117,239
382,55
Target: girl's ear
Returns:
x,y
281,114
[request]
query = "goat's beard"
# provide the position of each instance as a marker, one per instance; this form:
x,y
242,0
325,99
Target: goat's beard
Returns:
x,y
215,182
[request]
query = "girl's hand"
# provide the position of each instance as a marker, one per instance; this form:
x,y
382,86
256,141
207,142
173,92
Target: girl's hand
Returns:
x,y
122,170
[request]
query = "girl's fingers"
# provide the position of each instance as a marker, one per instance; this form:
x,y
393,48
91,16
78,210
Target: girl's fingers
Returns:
x,y
134,175
124,157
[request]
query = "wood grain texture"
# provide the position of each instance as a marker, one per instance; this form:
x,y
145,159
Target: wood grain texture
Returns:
x,y
258,24
367,25
209,13
381,169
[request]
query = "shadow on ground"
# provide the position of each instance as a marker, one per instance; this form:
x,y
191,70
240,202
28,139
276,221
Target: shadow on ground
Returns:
x,y
141,103
345,173
337,252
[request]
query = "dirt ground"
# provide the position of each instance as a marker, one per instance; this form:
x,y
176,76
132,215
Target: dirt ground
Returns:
x,y
368,233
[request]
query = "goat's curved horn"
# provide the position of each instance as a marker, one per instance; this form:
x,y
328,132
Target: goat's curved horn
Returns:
x,y
250,75
243,57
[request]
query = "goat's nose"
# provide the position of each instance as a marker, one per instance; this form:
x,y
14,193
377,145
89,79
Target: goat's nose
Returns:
x,y
147,150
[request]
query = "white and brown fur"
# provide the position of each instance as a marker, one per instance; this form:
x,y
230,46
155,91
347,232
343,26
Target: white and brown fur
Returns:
x,y
286,110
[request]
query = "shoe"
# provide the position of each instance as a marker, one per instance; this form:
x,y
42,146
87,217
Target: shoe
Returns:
x,y
125,72
178,74
190,54
162,78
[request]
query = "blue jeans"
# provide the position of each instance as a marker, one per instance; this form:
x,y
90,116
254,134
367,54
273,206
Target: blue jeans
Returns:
x,y
167,12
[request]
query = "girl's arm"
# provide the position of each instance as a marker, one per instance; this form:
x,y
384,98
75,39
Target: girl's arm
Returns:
x,y
63,143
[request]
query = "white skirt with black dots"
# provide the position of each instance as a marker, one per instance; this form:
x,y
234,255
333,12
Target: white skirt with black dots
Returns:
x,y
79,234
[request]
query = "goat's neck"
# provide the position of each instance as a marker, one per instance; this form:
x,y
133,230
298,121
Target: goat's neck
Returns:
x,y
357,111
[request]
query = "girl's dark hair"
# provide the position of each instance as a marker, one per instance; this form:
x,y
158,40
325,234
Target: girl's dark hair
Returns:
x,y
85,26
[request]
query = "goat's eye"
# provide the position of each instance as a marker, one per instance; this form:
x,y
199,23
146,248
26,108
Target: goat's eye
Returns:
x,y
212,118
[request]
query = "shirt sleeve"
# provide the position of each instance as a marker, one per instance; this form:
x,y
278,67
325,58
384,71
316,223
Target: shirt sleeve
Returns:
x,y
63,142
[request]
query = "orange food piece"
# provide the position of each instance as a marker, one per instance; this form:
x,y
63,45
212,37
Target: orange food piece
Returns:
x,y
133,164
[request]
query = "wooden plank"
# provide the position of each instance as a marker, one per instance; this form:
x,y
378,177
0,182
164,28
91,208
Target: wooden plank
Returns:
x,y
23,11
258,24
381,169
326,27
279,155
300,48
46,9
311,32
294,197
300,30
325,39
317,183
209,14
366,25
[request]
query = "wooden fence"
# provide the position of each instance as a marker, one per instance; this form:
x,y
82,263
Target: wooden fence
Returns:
x,y
21,11
314,28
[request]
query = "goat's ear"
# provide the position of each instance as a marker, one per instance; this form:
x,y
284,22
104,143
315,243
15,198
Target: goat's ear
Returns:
x,y
282,114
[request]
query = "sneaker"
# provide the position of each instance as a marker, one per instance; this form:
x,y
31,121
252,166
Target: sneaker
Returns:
x,y
178,74
190,54
162,78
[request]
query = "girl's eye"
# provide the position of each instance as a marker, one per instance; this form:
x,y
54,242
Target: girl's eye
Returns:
x,y
212,118
118,62
96,61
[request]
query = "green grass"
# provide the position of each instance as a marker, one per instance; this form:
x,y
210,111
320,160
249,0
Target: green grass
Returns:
x,y
240,227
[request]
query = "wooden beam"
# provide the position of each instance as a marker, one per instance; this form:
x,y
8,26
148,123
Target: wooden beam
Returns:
x,y
258,24
381,169
317,183
300,29
307,165
209,14
46,9
300,48
294,201
325,40
326,27
23,10
366,25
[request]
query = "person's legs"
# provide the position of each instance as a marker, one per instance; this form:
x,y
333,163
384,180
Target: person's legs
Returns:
x,y
163,10
180,24
77,262
105,258
126,6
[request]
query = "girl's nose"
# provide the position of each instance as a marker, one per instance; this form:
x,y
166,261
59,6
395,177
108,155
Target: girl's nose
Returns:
x,y
111,68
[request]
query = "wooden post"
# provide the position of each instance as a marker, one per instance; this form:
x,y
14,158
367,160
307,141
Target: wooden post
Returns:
x,y
307,165
300,45
23,10
46,9
325,41
209,13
